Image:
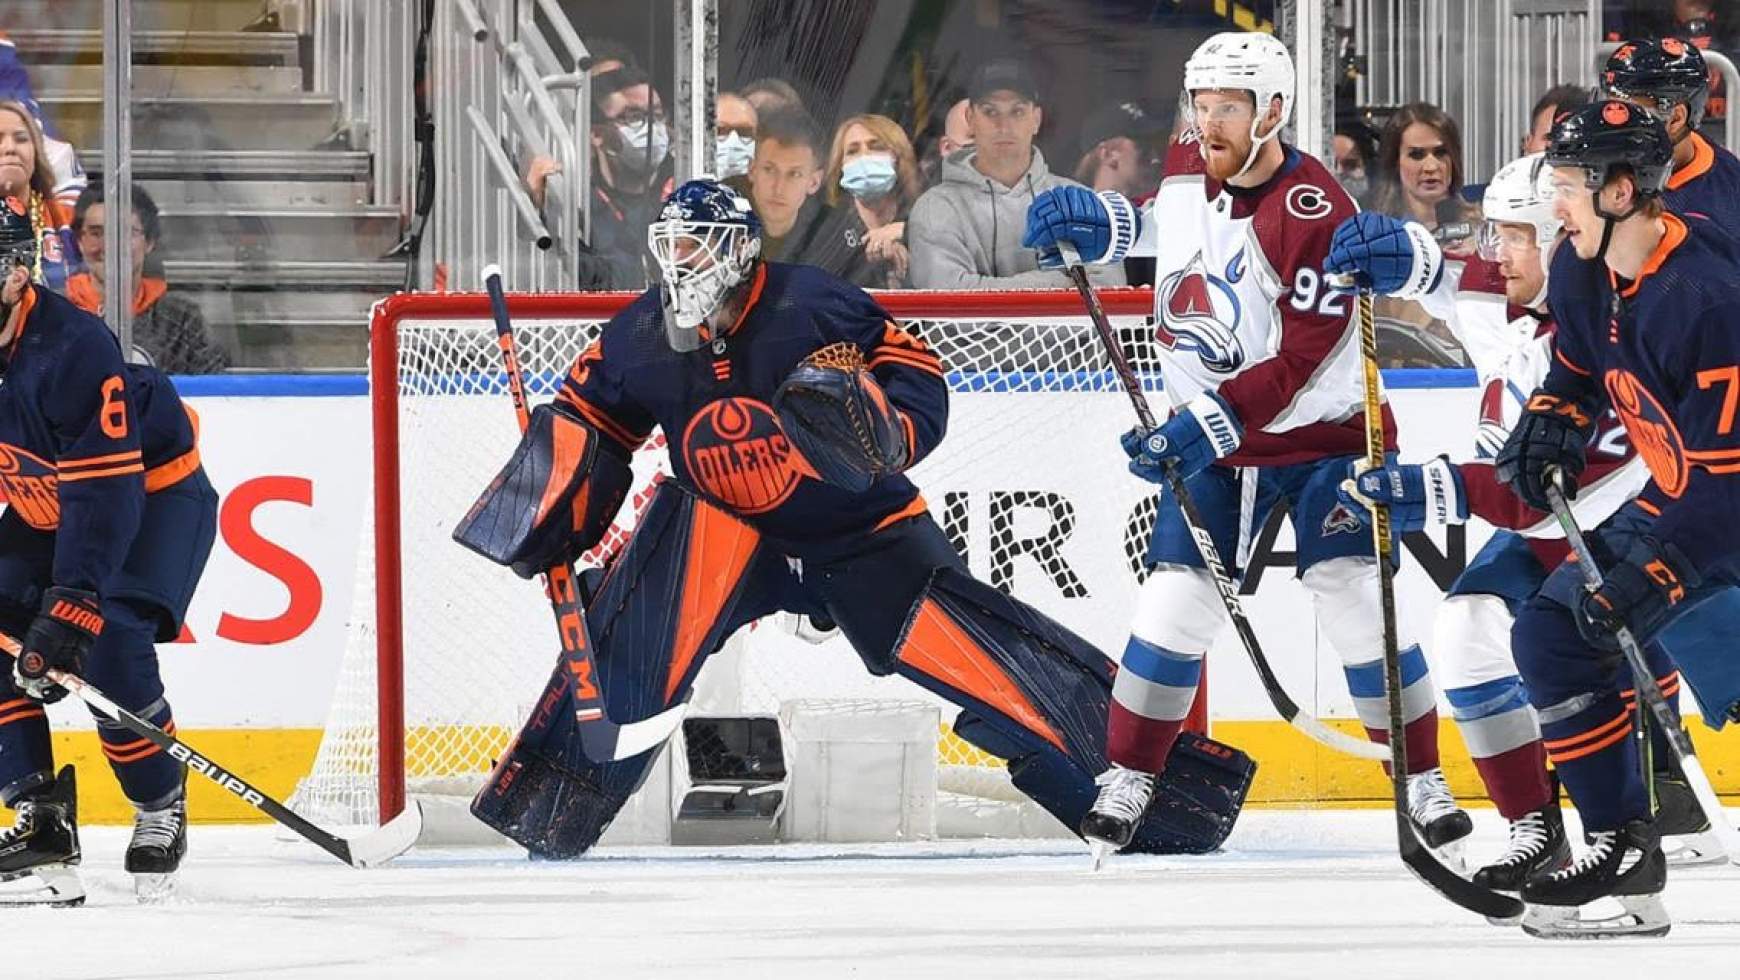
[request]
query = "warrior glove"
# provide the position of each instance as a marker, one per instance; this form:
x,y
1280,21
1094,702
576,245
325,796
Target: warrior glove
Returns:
x,y
60,636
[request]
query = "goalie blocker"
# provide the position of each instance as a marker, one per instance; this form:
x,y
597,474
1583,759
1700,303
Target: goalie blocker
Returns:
x,y
1031,692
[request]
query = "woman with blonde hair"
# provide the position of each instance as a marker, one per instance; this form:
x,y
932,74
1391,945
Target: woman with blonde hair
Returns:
x,y
26,174
873,164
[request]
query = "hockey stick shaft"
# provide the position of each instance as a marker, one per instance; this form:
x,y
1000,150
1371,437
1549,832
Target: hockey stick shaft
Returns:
x,y
1284,704
1414,854
602,739
193,759
1648,691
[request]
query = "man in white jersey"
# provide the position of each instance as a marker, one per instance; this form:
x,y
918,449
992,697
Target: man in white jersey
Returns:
x,y
1263,370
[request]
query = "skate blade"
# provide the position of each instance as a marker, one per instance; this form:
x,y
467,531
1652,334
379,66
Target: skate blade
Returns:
x,y
154,889
1692,850
1640,916
1453,855
54,885
1101,849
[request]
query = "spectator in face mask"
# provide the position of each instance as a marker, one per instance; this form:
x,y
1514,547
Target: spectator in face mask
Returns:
x,y
873,179
1354,148
734,122
631,146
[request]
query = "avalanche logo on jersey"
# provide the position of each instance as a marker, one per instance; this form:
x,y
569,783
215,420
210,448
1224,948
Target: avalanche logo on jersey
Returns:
x,y
1340,520
1200,313
31,487
1652,431
736,453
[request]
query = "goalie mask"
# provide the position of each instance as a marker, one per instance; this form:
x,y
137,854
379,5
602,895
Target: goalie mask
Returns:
x,y
706,242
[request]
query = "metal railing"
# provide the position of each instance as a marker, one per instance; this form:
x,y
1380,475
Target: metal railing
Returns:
x,y
1482,61
1716,60
504,96
363,51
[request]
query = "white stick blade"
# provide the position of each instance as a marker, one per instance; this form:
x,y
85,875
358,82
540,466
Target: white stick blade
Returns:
x,y
388,841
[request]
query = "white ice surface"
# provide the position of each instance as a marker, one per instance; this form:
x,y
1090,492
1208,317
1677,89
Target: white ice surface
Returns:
x,y
1295,894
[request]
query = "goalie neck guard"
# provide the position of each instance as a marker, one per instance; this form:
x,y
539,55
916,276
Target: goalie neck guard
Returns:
x,y
1251,62
706,242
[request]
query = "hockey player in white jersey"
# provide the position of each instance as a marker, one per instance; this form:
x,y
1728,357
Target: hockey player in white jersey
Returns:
x,y
1262,367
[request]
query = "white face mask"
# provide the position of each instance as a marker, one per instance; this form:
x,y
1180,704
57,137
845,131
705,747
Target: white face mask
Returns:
x,y
732,153
644,146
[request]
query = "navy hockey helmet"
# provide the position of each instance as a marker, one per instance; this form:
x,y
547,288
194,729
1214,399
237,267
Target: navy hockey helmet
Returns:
x,y
1603,135
17,237
706,241
1667,71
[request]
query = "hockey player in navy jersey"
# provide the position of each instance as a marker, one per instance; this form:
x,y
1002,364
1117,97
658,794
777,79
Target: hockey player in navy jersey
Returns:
x,y
1658,340
108,523
1669,78
793,405
1262,368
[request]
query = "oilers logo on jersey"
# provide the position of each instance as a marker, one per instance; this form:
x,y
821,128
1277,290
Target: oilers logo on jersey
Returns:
x,y
1652,431
738,454
1200,313
31,487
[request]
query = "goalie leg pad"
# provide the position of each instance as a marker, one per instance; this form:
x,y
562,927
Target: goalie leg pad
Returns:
x,y
553,500
841,421
1037,695
690,576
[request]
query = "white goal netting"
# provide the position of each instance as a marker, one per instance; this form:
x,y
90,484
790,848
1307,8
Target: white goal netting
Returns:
x,y
1028,483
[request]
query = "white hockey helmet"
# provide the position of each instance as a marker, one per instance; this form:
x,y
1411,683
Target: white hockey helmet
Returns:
x,y
1521,193
1249,61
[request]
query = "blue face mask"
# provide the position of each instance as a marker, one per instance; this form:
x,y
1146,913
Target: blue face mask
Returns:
x,y
868,177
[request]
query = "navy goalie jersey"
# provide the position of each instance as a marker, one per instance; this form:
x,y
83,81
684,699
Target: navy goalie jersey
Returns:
x,y
715,404
84,437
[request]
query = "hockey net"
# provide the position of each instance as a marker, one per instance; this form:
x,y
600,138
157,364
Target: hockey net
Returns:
x,y
446,652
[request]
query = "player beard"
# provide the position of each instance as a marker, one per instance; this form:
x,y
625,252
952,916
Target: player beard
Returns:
x,y
1224,158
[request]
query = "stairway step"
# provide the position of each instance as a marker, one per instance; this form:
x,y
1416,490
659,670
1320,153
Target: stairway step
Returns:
x,y
277,165
218,231
148,15
44,45
53,81
379,276
288,121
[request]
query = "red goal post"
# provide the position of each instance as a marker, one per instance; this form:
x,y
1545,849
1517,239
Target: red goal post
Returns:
x,y
1044,337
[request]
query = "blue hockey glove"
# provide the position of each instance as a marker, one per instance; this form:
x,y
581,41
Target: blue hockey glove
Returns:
x,y
1388,256
1198,435
1102,227
1551,436
1640,592
1419,496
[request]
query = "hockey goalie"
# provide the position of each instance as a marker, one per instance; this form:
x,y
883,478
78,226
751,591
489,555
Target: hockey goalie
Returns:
x,y
792,404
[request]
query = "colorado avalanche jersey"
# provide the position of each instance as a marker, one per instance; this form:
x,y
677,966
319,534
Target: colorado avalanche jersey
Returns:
x,y
84,437
715,404
1241,306
1664,352
1613,474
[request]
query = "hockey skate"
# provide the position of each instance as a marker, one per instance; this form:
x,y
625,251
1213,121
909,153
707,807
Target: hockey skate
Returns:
x,y
40,853
1537,846
155,852
1441,824
1124,796
1686,837
1624,864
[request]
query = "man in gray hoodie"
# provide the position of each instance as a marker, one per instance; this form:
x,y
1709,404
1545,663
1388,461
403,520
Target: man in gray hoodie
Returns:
x,y
965,233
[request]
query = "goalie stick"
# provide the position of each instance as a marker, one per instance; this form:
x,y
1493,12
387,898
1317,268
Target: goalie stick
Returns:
x,y
1415,855
1648,691
1284,704
602,739
372,849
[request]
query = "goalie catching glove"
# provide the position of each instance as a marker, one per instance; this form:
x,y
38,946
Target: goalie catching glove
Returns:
x,y
553,500
840,420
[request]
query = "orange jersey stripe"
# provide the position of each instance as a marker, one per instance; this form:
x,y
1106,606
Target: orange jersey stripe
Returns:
x,y
1624,720
599,419
169,474
1560,355
87,461
1560,757
904,359
127,470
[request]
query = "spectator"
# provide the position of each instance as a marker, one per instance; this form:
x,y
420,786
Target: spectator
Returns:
x,y
1419,175
872,163
965,233
1354,148
630,152
955,137
62,157
168,328
608,54
26,174
1556,101
734,132
1117,151
771,95
783,181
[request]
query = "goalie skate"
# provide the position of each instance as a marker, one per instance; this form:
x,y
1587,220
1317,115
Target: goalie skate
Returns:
x,y
1123,798
1624,866
38,854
